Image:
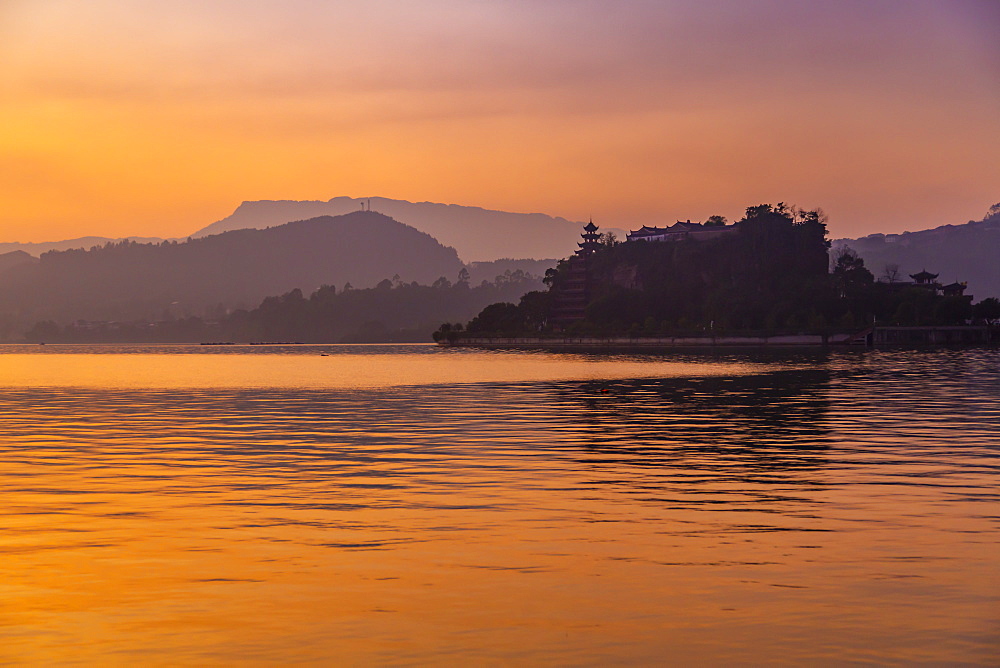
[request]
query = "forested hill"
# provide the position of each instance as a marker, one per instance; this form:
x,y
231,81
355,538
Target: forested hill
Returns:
x,y
966,252
37,248
477,234
128,281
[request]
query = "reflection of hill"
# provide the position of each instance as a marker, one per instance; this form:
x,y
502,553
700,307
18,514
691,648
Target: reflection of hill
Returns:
x,y
769,422
140,281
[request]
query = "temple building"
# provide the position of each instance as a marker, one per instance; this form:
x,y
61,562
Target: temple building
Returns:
x,y
573,293
680,230
954,289
928,281
590,239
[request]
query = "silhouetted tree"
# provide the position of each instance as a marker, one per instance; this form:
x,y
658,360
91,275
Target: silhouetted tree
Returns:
x,y
891,272
850,275
501,318
989,308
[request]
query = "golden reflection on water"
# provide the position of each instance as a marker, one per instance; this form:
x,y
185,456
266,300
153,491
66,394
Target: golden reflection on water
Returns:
x,y
313,369
797,513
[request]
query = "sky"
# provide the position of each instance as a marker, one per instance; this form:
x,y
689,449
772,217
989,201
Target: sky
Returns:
x,y
129,117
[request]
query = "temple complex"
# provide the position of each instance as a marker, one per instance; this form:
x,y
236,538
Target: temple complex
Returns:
x,y
928,281
679,231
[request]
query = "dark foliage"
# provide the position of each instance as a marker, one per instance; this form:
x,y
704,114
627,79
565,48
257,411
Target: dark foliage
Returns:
x,y
771,274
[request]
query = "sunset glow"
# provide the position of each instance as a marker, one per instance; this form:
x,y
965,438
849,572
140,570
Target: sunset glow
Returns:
x,y
156,119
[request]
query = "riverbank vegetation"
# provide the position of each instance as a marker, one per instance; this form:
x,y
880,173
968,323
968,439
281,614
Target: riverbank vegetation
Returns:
x,y
392,311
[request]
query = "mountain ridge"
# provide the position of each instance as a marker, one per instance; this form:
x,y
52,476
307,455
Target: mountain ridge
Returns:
x,y
477,234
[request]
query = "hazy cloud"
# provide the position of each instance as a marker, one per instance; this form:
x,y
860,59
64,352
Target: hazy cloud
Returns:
x,y
866,91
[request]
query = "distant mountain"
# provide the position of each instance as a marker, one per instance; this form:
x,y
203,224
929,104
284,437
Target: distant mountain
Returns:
x,y
36,249
14,259
127,280
969,252
477,234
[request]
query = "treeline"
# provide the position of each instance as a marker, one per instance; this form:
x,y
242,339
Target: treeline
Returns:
x,y
769,274
392,311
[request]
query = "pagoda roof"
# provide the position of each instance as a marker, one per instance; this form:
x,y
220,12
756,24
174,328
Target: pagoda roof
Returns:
x,y
923,276
646,231
685,225
590,227
955,286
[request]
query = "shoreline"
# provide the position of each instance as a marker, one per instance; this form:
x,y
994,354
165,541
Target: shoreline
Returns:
x,y
872,336
654,341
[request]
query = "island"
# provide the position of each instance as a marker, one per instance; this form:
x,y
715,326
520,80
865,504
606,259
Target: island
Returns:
x,y
764,279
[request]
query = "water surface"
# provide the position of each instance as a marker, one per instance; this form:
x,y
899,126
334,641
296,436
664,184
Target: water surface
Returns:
x,y
413,505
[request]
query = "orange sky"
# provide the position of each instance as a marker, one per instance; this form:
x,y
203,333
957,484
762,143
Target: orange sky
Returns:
x,y
149,118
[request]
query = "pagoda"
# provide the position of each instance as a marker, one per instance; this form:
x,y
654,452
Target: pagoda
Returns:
x,y
590,240
573,293
924,278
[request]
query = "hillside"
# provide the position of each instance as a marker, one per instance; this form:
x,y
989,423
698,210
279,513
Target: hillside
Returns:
x,y
477,234
127,281
37,248
966,252
13,259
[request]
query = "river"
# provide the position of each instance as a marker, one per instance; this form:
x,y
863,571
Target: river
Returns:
x,y
410,505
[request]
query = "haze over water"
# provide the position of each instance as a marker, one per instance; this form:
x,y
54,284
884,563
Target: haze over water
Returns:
x,y
413,505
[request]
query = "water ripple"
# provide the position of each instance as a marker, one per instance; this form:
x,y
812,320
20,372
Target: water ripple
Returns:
x,y
846,499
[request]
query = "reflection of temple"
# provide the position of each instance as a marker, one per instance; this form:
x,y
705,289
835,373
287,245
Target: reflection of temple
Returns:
x,y
573,292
